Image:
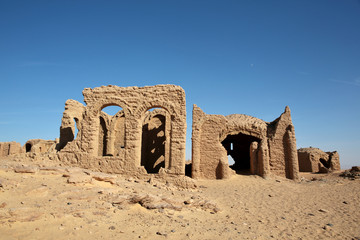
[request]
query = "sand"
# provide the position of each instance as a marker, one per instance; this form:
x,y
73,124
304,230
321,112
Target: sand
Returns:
x,y
43,202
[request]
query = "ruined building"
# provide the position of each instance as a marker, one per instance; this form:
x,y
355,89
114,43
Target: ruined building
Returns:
x,y
255,145
31,146
315,160
147,134
9,148
40,146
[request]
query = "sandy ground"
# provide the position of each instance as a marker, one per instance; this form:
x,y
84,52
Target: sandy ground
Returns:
x,y
66,203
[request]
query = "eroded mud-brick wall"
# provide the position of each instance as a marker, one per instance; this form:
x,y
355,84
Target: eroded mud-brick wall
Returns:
x,y
315,160
40,146
9,148
115,143
254,145
282,146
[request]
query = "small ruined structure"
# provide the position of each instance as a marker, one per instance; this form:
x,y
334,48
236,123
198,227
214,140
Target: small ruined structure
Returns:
x,y
315,160
146,135
9,148
31,146
255,145
39,146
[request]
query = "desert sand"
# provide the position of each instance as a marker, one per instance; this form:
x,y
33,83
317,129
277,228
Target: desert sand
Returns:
x,y
49,201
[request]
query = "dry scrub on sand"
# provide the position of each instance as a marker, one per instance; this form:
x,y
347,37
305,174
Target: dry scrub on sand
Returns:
x,y
40,201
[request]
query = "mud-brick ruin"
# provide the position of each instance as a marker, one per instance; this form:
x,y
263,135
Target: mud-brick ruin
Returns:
x,y
315,160
147,135
31,146
254,144
9,148
40,146
135,139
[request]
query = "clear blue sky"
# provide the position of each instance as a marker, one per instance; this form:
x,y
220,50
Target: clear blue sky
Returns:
x,y
251,57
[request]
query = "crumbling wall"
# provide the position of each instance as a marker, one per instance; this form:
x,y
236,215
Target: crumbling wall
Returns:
x,y
316,160
282,146
88,148
10,148
72,116
213,156
216,136
255,145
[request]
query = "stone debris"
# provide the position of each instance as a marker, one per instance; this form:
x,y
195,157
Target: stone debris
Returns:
x,y
79,177
26,169
355,169
150,201
182,182
353,173
103,177
161,234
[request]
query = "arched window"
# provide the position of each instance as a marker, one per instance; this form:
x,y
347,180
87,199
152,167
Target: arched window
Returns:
x,y
111,110
111,131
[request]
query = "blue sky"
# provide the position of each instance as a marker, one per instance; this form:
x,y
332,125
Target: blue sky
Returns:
x,y
252,57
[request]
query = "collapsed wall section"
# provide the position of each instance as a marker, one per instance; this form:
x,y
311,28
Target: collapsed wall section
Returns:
x,y
71,122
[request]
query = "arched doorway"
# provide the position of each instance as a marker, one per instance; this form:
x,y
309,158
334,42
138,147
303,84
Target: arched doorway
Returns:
x,y
28,147
238,147
154,140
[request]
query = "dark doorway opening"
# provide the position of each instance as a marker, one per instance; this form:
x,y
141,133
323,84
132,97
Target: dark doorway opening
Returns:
x,y
238,150
188,168
325,163
28,147
153,143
